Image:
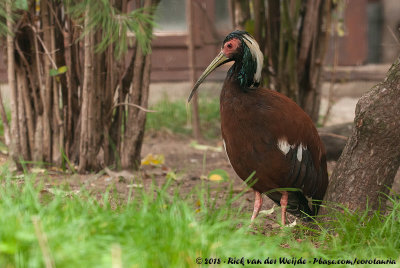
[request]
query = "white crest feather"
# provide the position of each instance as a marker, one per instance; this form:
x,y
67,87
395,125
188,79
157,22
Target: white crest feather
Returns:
x,y
257,55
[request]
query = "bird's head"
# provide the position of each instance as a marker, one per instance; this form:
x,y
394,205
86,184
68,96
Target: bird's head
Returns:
x,y
242,48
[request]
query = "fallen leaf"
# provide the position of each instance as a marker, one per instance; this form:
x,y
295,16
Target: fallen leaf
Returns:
x,y
198,205
215,177
203,147
38,170
292,224
124,173
171,176
218,175
134,185
55,191
268,212
56,169
154,160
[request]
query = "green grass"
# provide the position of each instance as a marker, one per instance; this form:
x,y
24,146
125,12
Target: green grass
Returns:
x,y
155,228
173,116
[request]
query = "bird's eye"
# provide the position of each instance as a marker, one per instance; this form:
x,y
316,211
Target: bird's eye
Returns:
x,y
229,45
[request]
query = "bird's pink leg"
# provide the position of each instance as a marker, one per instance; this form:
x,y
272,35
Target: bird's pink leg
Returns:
x,y
257,204
284,201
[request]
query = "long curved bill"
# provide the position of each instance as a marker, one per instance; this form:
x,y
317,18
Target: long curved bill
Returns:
x,y
219,60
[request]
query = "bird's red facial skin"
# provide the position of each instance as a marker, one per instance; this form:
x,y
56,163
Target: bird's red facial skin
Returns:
x,y
230,47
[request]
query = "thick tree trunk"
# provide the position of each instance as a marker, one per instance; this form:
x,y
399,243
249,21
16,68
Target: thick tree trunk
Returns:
x,y
371,157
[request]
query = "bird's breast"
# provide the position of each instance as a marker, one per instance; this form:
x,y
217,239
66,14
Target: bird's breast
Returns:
x,y
249,144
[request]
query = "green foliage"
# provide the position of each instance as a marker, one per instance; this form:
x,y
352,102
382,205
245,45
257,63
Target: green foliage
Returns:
x,y
21,4
173,116
113,24
17,5
365,233
160,228
3,18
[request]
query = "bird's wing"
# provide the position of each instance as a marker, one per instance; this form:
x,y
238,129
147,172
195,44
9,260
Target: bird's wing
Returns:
x,y
302,173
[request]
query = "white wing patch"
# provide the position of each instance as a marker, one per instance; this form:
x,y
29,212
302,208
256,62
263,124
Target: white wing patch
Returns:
x,y
300,153
257,55
300,150
285,147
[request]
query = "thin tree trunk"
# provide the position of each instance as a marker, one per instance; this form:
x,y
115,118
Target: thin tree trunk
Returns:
x,y
259,18
192,68
22,118
15,141
30,120
371,158
242,14
84,156
4,119
136,118
46,91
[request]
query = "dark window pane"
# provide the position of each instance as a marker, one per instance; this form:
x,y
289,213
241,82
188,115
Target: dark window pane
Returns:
x,y
171,16
222,16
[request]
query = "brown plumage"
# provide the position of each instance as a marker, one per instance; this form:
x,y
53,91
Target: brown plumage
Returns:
x,y
266,132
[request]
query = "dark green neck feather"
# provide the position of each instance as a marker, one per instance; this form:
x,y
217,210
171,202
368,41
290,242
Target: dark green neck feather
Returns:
x,y
244,69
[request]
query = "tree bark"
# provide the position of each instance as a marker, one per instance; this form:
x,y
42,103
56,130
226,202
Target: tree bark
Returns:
x,y
371,157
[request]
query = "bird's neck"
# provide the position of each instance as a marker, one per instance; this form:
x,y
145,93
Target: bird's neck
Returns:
x,y
243,70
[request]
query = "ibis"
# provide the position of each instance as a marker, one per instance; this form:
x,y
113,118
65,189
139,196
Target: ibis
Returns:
x,y
267,133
